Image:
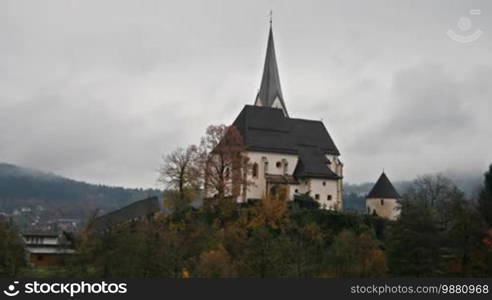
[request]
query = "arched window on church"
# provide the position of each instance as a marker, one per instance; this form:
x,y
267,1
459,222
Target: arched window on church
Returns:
x,y
265,165
227,173
286,166
255,170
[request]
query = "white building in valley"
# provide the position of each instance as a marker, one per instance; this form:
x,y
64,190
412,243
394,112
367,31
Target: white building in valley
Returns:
x,y
296,154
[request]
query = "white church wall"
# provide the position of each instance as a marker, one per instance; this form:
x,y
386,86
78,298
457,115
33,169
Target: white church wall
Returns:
x,y
321,187
258,187
325,189
301,188
272,159
386,208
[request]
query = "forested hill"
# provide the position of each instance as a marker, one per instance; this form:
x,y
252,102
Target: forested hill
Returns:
x,y
58,196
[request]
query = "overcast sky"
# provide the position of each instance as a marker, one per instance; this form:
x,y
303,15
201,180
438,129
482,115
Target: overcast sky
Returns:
x,y
98,90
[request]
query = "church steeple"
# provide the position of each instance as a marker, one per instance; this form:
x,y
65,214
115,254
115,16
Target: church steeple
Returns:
x,y
270,93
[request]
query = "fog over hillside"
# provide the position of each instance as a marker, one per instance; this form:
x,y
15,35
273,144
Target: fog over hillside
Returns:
x,y
62,197
34,197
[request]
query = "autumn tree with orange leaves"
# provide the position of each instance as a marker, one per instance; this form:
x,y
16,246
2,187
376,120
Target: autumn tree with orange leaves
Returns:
x,y
224,164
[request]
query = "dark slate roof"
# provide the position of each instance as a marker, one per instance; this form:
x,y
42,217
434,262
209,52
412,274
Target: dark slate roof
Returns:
x,y
313,164
133,211
270,81
266,129
40,234
383,189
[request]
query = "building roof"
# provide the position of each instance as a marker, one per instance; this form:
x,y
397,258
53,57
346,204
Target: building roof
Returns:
x,y
282,179
48,242
267,129
40,234
270,81
135,210
383,189
313,164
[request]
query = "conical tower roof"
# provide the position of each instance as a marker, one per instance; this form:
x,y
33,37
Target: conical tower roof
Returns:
x,y
383,189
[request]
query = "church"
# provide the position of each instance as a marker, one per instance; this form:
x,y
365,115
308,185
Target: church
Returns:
x,y
297,155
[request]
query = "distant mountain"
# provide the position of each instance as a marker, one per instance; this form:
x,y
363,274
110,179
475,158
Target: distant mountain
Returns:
x,y
24,190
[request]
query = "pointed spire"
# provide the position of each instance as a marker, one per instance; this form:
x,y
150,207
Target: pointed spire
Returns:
x,y
270,93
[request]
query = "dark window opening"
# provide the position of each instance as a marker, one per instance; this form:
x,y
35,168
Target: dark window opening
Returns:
x,y
382,201
255,170
316,196
329,197
278,164
286,167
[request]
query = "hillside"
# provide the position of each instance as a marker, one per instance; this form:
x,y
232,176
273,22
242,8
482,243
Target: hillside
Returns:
x,y
34,197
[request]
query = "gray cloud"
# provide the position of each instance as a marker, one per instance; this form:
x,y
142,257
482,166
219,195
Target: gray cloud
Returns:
x,y
99,90
434,122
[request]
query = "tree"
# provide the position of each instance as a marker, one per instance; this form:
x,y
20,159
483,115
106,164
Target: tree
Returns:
x,y
413,242
485,200
265,254
487,242
431,190
159,247
180,173
271,211
462,238
12,254
353,255
225,166
438,233
436,193
306,250
305,201
216,263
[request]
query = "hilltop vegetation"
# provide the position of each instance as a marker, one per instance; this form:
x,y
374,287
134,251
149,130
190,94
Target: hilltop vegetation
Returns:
x,y
439,234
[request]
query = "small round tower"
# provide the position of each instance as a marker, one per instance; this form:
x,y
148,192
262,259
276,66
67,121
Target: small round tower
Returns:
x,y
382,200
